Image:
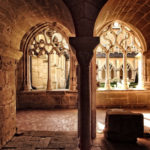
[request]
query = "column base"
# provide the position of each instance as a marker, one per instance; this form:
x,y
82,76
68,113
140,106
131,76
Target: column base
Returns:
x,y
27,87
48,89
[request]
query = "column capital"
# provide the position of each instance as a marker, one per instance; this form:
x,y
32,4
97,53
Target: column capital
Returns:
x,y
84,47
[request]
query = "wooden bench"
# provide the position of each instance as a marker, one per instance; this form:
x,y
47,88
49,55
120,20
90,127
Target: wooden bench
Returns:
x,y
121,125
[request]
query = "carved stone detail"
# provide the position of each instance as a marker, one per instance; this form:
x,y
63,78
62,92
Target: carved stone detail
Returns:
x,y
84,48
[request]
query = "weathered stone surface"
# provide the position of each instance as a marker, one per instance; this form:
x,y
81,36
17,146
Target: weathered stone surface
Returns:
x,y
131,99
7,99
100,143
46,100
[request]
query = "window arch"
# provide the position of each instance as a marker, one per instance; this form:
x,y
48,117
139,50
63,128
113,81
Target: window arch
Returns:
x,y
47,59
120,44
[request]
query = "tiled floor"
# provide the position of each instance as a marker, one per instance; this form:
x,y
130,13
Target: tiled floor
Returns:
x,y
47,140
59,132
47,120
63,120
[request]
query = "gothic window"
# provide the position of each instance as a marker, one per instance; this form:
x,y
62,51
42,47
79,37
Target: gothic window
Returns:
x,y
120,43
49,60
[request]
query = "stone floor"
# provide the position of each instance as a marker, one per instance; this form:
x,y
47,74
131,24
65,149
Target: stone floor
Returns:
x,y
63,120
56,130
57,140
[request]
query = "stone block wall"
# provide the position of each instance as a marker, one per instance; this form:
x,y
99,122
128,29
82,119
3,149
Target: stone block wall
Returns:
x,y
7,99
46,99
123,99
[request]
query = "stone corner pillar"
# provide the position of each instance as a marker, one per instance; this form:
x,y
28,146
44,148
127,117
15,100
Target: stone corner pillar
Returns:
x,y
146,64
125,84
107,80
84,51
49,73
27,80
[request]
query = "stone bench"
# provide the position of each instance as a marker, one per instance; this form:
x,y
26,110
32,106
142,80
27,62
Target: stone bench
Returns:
x,y
123,126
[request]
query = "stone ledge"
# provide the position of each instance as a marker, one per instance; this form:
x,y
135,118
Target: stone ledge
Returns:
x,y
47,100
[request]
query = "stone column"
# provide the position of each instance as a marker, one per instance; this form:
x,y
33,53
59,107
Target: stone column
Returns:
x,y
49,73
67,68
133,71
140,71
147,69
59,72
118,72
125,85
27,84
84,50
107,77
93,96
99,78
115,71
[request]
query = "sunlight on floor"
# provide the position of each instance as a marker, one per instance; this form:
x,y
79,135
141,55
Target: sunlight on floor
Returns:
x,y
100,127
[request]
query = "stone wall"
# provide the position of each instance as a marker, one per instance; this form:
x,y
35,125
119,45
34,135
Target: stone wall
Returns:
x,y
125,99
46,99
7,99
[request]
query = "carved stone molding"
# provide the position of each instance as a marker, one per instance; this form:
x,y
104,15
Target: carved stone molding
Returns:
x,y
84,47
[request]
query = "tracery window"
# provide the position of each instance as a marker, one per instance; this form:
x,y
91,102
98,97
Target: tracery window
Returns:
x,y
48,60
119,44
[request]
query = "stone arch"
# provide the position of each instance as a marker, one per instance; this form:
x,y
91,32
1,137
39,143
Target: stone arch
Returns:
x,y
24,46
112,11
137,32
19,20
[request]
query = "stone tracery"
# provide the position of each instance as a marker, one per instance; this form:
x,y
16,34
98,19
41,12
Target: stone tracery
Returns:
x,y
48,57
118,41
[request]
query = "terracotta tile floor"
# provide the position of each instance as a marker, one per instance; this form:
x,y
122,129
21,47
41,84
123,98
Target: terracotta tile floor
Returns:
x,y
50,140
47,120
63,120
56,123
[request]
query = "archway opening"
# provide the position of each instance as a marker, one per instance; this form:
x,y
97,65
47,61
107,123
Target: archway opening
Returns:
x,y
120,68
49,81
120,54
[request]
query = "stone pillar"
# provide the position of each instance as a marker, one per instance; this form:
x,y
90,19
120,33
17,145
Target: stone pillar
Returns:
x,y
59,72
27,83
115,71
67,68
133,71
99,78
147,69
118,75
107,77
84,50
74,77
125,85
49,73
71,71
93,96
140,71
